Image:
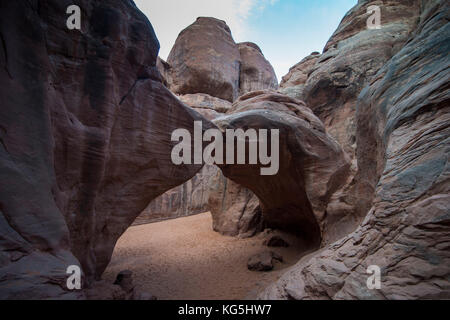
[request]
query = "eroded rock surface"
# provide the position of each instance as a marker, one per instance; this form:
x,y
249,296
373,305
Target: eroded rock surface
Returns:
x,y
235,210
403,157
352,56
85,128
312,166
263,261
293,83
205,59
334,80
256,72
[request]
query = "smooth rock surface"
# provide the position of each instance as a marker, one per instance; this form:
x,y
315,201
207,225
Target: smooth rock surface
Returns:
x,y
256,73
263,261
312,165
205,59
85,129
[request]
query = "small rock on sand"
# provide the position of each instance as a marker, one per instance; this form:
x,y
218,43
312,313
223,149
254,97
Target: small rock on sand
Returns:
x,y
263,261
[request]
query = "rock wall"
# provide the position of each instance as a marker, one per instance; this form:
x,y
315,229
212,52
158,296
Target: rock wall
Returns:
x,y
256,73
312,166
85,128
403,155
334,80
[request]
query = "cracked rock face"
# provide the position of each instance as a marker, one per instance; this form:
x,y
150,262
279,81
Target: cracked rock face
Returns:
x,y
403,157
85,128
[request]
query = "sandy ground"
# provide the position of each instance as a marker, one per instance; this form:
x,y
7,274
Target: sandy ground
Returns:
x,y
185,259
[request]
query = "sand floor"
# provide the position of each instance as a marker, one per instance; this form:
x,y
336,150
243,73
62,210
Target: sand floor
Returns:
x,y
185,259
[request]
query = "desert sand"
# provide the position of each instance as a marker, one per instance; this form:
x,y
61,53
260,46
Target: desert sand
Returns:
x,y
185,259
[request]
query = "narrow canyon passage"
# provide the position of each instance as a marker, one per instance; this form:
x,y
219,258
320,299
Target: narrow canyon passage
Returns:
x,y
185,259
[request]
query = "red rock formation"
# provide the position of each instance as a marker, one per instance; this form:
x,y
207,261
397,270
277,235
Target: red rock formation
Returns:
x,y
191,197
312,165
235,210
403,155
256,72
293,83
352,56
85,130
205,59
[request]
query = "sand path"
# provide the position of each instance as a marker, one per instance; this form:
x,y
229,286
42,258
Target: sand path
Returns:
x,y
185,259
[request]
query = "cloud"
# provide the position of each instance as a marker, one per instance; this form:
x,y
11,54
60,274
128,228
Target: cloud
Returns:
x,y
169,17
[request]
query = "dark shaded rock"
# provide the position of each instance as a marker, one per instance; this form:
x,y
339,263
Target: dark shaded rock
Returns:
x,y
205,59
125,280
276,241
312,165
403,155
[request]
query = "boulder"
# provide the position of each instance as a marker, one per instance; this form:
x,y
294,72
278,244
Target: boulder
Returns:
x,y
205,59
403,155
263,261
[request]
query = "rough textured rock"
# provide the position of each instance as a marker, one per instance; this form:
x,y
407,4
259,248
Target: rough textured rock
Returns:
x,y
205,59
85,129
293,83
191,197
256,72
235,210
205,101
403,157
352,56
350,59
312,165
164,71
263,261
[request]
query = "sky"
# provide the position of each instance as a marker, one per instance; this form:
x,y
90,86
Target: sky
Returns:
x,y
285,30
